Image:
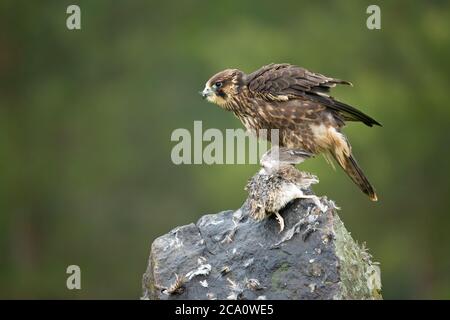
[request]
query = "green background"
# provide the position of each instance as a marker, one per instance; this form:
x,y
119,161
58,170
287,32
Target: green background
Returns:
x,y
86,117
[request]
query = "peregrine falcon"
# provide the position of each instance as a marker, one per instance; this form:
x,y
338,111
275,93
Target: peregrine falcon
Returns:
x,y
297,103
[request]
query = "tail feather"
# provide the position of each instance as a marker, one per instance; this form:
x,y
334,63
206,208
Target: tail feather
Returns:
x,y
353,170
336,143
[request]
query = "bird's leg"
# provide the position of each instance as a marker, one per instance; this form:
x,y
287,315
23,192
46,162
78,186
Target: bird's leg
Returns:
x,y
317,202
278,157
280,221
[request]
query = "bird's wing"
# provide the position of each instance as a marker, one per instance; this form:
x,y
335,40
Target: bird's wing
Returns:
x,y
281,82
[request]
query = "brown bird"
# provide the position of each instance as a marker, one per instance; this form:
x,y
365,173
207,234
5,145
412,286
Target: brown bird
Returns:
x,y
297,103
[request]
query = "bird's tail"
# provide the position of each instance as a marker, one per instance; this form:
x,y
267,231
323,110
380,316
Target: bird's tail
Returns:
x,y
338,146
354,171
340,149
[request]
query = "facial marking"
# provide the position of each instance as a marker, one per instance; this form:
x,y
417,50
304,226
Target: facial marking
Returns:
x,y
221,87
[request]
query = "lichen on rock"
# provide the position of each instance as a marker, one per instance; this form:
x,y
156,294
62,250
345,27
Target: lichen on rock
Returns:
x,y
360,277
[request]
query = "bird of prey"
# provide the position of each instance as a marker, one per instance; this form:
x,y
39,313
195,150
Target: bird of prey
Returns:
x,y
297,103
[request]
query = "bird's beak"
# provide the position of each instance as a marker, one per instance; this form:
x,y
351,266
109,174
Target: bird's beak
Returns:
x,y
206,92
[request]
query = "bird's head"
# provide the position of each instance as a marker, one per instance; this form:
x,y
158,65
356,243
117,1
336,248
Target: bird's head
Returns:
x,y
221,87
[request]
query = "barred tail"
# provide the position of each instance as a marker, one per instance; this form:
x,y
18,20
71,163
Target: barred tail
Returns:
x,y
340,149
355,173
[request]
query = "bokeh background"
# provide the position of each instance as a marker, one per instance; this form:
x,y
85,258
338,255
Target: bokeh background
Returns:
x,y
86,118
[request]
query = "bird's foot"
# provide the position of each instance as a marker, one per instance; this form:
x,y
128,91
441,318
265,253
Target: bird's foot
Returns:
x,y
317,202
280,221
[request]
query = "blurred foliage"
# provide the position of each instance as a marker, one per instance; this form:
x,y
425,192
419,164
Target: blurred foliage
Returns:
x,y
86,118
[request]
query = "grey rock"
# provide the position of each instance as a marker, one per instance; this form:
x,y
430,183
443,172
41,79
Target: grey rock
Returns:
x,y
229,255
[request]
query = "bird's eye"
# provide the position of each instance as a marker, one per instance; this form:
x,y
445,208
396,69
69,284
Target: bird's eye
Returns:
x,y
218,84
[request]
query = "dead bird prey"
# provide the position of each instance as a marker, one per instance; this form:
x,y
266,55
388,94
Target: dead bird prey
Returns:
x,y
278,183
297,103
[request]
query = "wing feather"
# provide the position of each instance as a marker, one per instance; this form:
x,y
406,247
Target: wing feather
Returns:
x,y
286,80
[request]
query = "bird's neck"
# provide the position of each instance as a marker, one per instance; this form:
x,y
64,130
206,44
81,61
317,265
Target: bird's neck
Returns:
x,y
240,104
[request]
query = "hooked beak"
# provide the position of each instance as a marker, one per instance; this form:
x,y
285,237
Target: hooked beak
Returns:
x,y
206,92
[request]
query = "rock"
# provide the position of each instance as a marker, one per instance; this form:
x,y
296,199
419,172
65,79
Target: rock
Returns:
x,y
229,255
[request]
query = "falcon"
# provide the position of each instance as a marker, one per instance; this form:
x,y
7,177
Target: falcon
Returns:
x,y
297,102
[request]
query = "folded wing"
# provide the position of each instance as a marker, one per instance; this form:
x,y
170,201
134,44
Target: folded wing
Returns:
x,y
276,82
